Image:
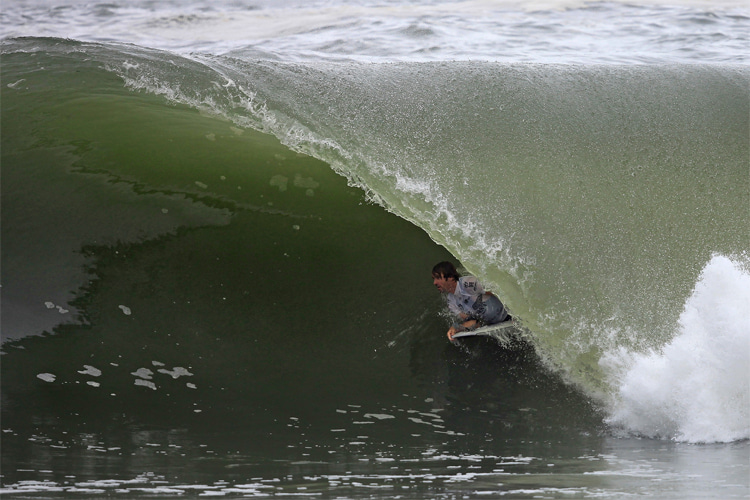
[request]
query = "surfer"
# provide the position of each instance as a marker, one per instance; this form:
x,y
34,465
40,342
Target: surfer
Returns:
x,y
467,299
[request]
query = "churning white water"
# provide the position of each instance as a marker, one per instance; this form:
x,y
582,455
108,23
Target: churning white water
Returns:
x,y
697,387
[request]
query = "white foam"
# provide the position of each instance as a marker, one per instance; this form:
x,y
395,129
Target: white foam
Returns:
x,y
379,416
47,377
16,84
176,372
90,370
697,388
143,373
60,309
145,383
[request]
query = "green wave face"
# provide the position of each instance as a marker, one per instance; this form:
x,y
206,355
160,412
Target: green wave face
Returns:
x,y
588,198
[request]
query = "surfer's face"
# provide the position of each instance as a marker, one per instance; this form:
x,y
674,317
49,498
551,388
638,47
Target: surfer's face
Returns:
x,y
442,284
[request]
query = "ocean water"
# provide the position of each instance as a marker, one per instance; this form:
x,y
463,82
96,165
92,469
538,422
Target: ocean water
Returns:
x,y
219,221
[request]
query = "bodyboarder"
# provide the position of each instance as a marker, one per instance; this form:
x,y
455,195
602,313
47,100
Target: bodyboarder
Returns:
x,y
467,300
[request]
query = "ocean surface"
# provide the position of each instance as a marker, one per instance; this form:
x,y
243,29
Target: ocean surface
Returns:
x,y
219,220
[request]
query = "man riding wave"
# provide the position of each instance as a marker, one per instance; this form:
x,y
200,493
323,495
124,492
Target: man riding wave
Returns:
x,y
467,299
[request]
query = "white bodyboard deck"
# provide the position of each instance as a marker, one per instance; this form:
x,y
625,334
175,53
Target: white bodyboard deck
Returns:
x,y
500,331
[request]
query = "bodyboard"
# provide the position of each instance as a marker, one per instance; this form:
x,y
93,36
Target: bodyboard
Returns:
x,y
499,331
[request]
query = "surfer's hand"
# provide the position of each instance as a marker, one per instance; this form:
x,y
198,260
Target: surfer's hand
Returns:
x,y
452,331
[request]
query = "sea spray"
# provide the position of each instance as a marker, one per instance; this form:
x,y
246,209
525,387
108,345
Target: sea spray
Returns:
x,y
697,388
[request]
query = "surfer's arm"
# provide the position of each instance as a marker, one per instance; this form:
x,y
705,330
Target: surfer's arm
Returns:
x,y
466,325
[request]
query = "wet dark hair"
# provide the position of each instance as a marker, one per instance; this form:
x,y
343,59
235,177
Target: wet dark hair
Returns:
x,y
445,270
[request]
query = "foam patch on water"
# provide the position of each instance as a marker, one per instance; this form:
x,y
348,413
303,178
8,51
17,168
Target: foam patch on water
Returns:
x,y
697,388
145,383
143,373
176,372
90,370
